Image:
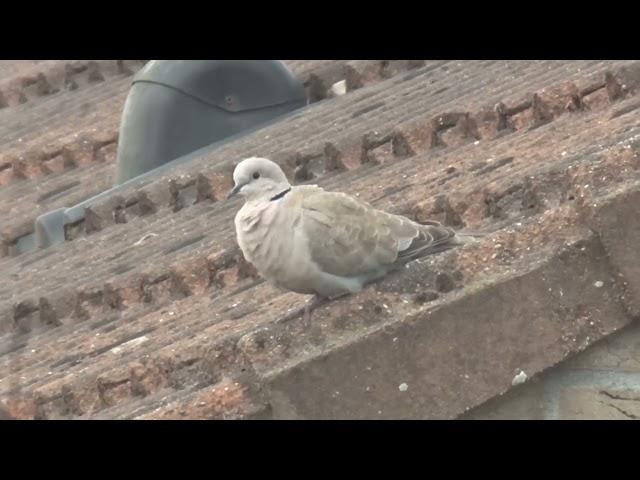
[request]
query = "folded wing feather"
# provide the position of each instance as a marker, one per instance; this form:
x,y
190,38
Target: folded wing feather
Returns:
x,y
348,237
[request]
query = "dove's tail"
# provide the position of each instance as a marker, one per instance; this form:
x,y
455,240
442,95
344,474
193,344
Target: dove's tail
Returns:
x,y
472,234
462,238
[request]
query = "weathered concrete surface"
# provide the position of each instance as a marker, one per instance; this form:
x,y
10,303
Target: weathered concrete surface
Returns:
x,y
589,403
604,381
522,402
616,218
431,364
226,400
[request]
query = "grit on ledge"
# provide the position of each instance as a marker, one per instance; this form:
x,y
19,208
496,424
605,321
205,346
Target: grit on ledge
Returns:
x,y
149,311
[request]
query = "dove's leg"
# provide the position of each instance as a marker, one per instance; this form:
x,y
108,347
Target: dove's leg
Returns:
x,y
313,303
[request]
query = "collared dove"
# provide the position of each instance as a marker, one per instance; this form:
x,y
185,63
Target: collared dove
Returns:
x,y
312,241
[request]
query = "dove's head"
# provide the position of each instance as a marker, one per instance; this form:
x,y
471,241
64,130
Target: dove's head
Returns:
x,y
258,178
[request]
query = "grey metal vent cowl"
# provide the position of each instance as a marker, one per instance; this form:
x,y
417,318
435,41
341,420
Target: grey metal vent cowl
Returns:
x,y
174,109
178,106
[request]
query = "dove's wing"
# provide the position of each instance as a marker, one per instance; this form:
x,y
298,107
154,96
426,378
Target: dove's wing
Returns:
x,y
348,237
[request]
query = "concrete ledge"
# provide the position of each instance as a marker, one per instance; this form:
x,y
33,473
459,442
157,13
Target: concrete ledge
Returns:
x,y
439,362
616,218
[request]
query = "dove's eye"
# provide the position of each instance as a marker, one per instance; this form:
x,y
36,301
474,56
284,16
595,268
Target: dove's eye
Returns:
x,y
256,175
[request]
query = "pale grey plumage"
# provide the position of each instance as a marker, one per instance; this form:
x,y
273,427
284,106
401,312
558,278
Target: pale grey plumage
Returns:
x,y
311,241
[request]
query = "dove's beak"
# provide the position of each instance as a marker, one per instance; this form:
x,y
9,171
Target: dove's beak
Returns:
x,y
235,190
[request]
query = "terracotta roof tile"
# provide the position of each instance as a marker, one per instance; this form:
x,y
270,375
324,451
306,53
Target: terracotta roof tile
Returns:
x,y
149,311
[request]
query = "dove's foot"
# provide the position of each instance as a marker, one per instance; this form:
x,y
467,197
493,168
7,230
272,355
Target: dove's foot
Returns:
x,y
314,303
306,315
311,305
305,311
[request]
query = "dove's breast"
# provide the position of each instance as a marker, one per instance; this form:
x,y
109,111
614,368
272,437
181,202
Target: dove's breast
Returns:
x,y
269,240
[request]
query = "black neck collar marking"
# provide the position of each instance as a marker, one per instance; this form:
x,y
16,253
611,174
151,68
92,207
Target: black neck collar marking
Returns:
x,y
280,195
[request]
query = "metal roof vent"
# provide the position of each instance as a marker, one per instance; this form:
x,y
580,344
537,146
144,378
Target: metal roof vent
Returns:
x,y
178,106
